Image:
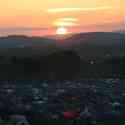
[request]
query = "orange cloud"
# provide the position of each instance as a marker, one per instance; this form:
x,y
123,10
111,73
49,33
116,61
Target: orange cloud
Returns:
x,y
60,10
60,22
68,19
64,23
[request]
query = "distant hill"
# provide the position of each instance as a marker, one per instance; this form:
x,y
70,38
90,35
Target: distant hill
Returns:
x,y
96,38
18,41
120,31
88,45
96,44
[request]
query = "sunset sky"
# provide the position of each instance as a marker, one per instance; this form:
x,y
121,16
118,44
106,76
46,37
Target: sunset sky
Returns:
x,y
43,17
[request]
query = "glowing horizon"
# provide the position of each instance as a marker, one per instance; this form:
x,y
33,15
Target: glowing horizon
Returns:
x,y
44,17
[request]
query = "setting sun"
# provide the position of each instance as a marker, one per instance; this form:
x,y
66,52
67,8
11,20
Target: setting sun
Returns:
x,y
61,31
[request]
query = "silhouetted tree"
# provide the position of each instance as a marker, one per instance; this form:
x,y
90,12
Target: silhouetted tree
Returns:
x,y
64,64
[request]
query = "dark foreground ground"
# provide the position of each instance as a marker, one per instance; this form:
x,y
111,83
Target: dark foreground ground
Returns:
x,y
77,102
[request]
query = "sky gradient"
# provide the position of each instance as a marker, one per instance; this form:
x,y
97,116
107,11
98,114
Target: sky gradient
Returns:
x,y
42,17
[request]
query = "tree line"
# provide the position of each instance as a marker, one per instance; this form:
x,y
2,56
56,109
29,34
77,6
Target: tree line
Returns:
x,y
62,64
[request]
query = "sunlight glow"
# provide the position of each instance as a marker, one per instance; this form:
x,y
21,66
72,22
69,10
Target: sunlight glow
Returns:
x,y
61,31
